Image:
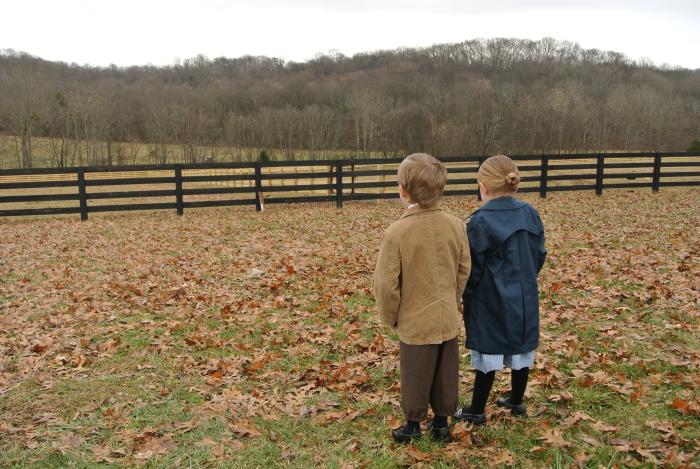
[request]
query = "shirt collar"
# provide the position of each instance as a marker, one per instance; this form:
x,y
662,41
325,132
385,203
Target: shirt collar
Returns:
x,y
414,209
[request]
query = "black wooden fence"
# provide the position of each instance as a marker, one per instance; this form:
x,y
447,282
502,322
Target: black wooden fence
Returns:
x,y
196,185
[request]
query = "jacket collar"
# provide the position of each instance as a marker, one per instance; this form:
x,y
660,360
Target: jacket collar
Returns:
x,y
503,203
418,209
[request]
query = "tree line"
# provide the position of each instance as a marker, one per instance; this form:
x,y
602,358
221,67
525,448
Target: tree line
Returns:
x,y
474,97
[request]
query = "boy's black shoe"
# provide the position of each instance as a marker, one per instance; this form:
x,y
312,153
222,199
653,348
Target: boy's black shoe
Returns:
x,y
441,434
515,410
405,435
465,414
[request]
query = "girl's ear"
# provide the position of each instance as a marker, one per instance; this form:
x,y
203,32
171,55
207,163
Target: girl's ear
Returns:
x,y
483,187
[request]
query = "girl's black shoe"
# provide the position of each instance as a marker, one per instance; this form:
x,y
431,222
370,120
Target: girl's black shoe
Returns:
x,y
466,414
515,410
405,435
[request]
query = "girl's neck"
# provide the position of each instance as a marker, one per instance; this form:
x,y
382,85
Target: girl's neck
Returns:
x,y
491,197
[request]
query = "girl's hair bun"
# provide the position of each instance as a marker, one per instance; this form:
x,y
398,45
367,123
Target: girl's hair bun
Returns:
x,y
512,180
500,175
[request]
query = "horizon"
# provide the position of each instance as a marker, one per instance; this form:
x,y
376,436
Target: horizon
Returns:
x,y
643,61
165,32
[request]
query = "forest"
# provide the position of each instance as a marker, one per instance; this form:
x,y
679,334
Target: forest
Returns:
x,y
475,97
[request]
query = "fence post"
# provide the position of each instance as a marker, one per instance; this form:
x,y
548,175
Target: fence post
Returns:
x,y
331,175
478,192
352,179
544,166
82,193
656,177
338,184
258,187
599,174
178,190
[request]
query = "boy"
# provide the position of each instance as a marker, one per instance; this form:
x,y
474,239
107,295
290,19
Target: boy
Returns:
x,y
421,272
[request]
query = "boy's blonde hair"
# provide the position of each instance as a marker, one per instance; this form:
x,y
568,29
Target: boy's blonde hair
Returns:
x,y
500,175
424,177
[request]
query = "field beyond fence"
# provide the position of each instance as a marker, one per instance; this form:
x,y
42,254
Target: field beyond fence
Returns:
x,y
84,190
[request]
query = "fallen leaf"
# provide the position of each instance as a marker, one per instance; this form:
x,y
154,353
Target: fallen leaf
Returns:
x,y
155,446
602,427
69,442
554,437
40,347
244,429
681,405
416,454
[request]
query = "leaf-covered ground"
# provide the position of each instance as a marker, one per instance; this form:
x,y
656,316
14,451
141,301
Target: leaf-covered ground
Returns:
x,y
239,339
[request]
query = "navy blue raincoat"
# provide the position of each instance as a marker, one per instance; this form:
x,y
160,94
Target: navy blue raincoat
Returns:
x,y
501,303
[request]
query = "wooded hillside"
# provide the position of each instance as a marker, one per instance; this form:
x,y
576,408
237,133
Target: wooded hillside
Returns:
x,y
474,97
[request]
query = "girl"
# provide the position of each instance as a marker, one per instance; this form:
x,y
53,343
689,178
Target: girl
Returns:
x,y
501,311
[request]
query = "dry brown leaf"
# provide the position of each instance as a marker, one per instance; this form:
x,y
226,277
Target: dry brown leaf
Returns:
x,y
108,454
154,446
602,427
681,405
554,437
244,429
69,442
417,454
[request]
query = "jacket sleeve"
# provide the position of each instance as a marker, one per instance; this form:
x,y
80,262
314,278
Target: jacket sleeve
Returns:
x,y
542,252
387,281
478,261
464,265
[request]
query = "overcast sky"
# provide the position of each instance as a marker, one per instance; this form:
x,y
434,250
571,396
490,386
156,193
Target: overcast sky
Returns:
x,y
137,32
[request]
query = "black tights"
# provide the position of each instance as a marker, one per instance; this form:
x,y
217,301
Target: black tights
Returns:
x,y
484,381
518,383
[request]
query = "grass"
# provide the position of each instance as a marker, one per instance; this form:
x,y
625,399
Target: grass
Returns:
x,y
120,349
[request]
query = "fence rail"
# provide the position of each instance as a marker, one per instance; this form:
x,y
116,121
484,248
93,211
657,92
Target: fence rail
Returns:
x,y
178,187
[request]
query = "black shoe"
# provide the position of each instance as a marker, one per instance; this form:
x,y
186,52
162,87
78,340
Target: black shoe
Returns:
x,y
403,435
465,414
440,434
515,410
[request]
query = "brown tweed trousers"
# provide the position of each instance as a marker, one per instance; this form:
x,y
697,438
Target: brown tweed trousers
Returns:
x,y
429,374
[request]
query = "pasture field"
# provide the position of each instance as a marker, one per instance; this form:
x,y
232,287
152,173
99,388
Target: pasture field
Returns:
x,y
230,338
139,153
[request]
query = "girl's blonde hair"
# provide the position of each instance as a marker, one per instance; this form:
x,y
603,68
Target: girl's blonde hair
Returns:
x,y
500,175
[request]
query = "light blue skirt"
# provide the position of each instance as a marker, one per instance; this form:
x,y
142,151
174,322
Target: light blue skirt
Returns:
x,y
487,363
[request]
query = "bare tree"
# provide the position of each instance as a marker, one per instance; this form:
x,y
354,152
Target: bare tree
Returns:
x,y
64,146
23,97
367,108
481,115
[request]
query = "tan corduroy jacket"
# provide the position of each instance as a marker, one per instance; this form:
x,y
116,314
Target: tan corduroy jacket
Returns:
x,y
421,272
